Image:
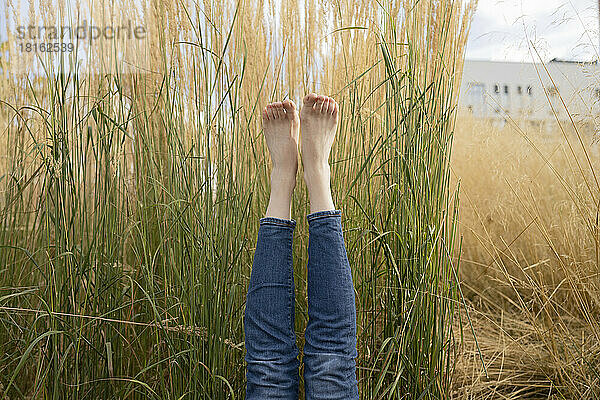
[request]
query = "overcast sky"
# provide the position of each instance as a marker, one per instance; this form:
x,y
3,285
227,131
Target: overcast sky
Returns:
x,y
558,28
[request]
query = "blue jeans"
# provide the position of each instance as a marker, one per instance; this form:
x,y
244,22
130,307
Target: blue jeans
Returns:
x,y
330,337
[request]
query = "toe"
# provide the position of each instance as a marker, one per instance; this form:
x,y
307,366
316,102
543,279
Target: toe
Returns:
x,y
289,105
290,108
277,113
310,99
279,109
330,106
270,112
318,107
335,110
265,114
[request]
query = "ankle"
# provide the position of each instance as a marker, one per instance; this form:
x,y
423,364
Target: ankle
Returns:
x,y
319,187
282,188
283,180
317,173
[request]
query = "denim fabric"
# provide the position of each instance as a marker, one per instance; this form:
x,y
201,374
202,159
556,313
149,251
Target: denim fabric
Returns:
x,y
330,345
330,337
271,351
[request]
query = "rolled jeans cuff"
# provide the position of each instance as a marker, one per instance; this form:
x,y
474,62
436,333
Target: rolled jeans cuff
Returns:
x,y
288,223
323,214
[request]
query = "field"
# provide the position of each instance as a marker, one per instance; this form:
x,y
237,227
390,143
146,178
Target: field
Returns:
x,y
130,196
529,261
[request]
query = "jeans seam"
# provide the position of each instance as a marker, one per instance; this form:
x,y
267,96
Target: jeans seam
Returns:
x,y
291,291
344,257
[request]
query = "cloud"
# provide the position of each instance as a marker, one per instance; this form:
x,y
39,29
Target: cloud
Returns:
x,y
503,29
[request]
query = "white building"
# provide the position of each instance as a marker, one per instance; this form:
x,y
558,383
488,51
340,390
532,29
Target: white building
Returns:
x,y
531,92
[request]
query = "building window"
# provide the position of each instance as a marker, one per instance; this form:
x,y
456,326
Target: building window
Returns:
x,y
506,89
496,88
530,90
519,90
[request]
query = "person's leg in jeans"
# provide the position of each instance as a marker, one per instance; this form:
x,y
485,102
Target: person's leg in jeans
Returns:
x,y
271,352
330,337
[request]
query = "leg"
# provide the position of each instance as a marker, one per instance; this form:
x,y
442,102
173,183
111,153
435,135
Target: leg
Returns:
x,y
330,338
271,352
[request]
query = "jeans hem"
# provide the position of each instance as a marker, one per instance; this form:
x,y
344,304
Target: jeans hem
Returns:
x,y
288,223
323,214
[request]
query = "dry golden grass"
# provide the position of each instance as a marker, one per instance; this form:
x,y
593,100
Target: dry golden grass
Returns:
x,y
529,261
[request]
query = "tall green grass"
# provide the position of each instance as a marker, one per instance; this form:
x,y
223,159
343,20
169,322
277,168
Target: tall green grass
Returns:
x,y
129,205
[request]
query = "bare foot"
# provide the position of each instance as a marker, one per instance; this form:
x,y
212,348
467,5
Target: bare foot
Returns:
x,y
319,118
281,128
